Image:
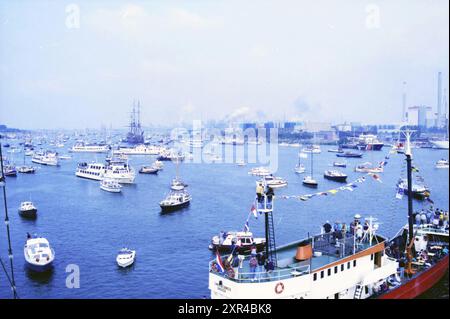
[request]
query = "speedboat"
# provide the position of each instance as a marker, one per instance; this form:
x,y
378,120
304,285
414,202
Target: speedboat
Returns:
x,y
349,155
27,210
110,185
259,171
299,168
442,164
335,175
273,182
38,254
175,200
309,181
26,169
125,257
339,164
177,185
243,242
148,170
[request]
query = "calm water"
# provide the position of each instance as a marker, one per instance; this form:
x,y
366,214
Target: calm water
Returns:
x,y
86,226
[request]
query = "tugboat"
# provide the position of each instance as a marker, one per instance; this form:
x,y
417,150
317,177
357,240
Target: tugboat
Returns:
x,y
175,201
38,254
27,210
335,175
125,257
242,241
348,263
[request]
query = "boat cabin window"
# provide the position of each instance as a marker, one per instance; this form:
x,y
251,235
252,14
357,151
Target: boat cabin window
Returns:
x,y
329,271
342,267
348,265
315,276
335,269
354,263
43,245
322,274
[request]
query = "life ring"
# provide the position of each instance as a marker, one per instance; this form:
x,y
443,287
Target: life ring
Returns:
x,y
279,288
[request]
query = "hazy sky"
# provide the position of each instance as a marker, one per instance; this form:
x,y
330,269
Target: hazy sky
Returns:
x,y
313,60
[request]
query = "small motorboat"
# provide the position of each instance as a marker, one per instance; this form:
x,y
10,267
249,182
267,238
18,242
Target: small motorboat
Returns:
x,y
65,157
175,200
125,257
38,254
309,181
177,185
335,175
312,149
26,169
110,185
442,163
350,155
148,170
27,210
299,169
273,182
339,164
243,242
335,150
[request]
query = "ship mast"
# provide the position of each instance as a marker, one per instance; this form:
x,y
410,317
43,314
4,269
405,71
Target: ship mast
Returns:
x,y
408,155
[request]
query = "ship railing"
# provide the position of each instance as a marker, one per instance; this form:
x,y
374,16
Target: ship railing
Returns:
x,y
260,274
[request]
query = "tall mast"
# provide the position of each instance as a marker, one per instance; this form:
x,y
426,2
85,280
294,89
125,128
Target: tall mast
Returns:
x,y
408,155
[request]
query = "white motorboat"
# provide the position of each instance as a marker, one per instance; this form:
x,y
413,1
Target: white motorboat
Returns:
x,y
175,200
121,172
29,153
26,169
125,257
110,185
259,171
148,170
339,164
273,182
442,164
45,158
89,148
94,171
27,210
38,254
65,157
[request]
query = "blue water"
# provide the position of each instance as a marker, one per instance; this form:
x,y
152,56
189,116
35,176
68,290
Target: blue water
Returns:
x,y
87,226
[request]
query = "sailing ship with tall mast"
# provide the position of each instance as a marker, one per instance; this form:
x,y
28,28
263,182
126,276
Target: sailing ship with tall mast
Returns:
x,y
135,134
309,180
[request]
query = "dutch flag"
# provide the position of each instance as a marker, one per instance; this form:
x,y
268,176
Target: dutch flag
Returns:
x,y
219,262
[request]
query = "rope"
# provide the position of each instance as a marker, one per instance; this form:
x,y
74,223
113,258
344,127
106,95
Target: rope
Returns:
x,y
10,253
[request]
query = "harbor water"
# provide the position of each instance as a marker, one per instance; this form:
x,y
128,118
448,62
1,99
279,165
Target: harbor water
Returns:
x,y
87,226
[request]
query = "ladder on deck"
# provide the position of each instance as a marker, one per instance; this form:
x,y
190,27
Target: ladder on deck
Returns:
x,y
271,248
358,291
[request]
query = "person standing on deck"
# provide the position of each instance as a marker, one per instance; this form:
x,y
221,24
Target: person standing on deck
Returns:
x,y
259,193
253,264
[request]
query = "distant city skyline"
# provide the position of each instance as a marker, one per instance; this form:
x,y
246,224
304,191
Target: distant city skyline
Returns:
x,y
82,65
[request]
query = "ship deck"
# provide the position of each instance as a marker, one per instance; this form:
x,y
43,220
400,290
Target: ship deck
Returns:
x,y
330,250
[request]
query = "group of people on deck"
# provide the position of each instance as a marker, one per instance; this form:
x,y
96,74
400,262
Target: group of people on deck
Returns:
x,y
339,230
438,218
